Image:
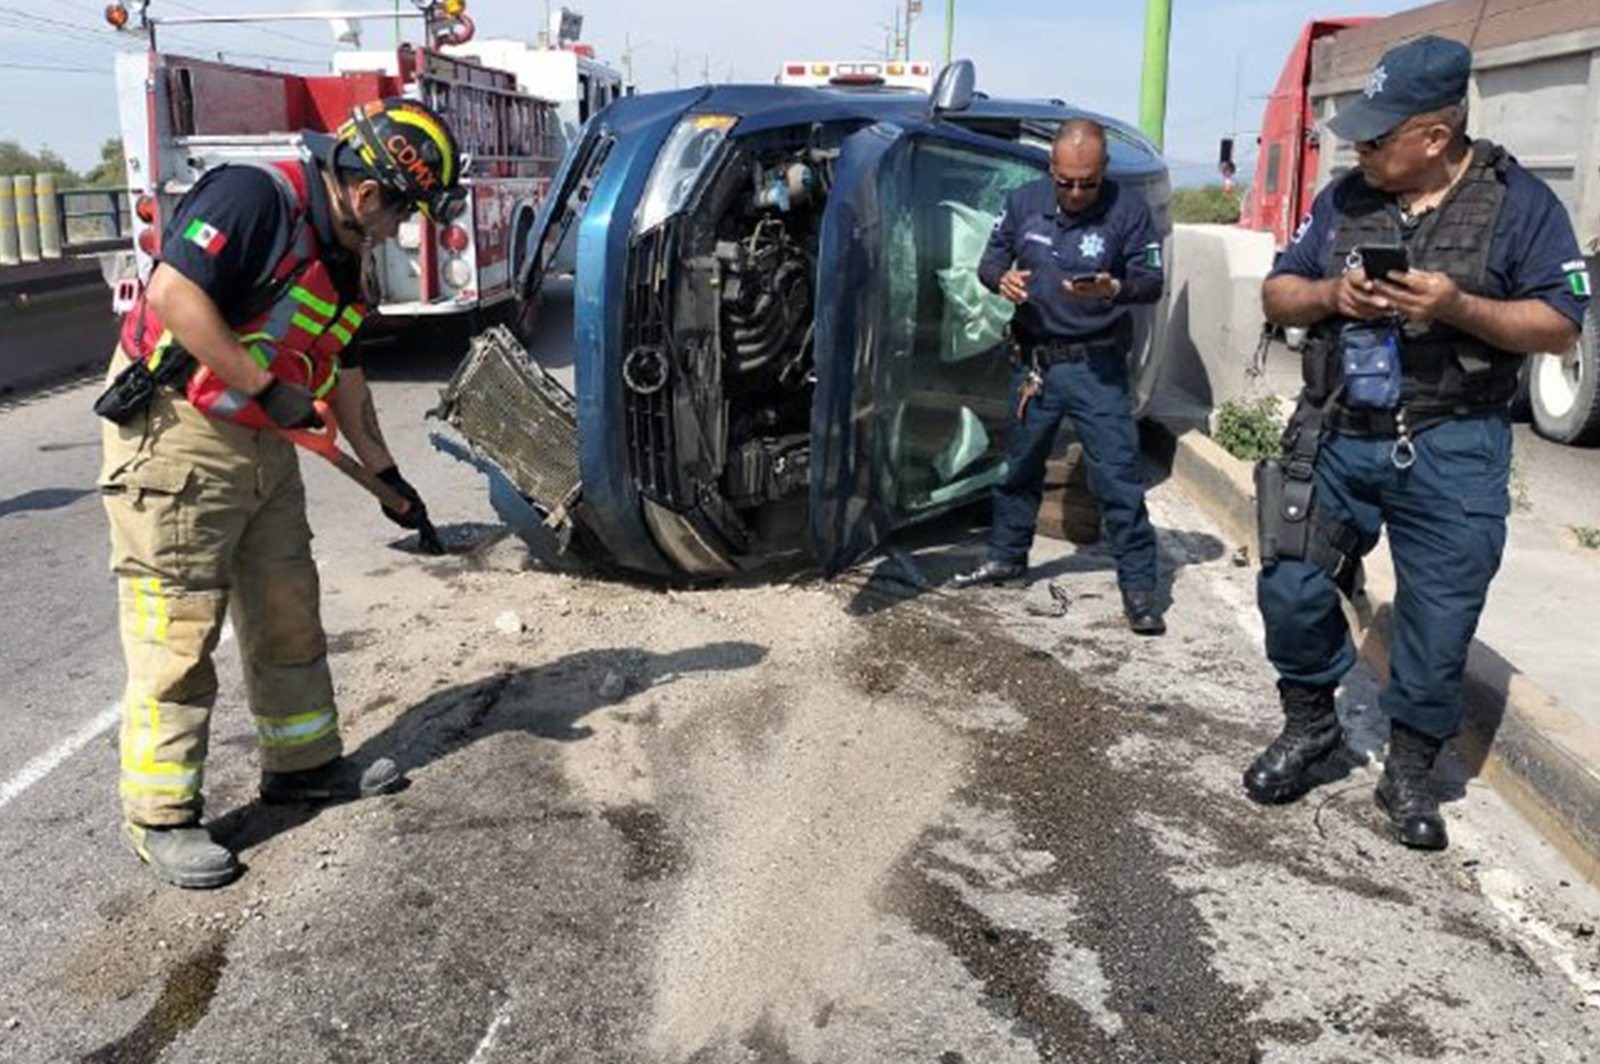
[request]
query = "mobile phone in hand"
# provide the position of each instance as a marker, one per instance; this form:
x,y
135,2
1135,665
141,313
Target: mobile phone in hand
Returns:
x,y
1380,260
1083,280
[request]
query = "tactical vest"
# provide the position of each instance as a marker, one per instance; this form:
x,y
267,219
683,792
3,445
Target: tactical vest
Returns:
x,y
294,323
1445,372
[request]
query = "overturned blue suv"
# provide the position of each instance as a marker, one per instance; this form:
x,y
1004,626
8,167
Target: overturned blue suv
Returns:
x,y
781,346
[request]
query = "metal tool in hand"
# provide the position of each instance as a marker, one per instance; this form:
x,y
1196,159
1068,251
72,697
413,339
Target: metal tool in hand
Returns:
x,y
325,443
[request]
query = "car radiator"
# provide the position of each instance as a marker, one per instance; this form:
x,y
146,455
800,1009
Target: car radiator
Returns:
x,y
517,415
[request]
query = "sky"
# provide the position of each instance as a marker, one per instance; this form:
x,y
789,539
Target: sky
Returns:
x,y
56,88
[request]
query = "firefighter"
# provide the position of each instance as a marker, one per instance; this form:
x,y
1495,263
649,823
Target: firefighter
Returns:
x,y
242,330
1075,252
1403,420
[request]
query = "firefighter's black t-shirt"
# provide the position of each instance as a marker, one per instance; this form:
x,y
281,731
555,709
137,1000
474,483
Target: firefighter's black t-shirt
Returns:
x,y
224,236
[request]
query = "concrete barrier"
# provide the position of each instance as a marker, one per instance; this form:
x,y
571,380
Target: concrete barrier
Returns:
x,y
1214,320
48,212
27,218
8,224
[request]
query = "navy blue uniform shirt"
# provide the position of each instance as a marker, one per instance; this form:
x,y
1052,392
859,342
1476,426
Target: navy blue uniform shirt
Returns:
x,y
1533,254
224,230
1116,235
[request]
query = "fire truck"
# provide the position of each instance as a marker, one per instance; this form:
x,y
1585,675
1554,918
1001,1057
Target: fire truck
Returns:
x,y
181,115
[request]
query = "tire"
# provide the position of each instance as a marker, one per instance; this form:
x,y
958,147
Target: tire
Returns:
x,y
1564,390
1521,404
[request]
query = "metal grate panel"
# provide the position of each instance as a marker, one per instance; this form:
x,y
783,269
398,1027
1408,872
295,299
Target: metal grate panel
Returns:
x,y
509,408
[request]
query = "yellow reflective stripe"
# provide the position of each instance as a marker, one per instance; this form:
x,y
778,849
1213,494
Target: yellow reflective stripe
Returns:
x,y
142,774
338,332
310,325
149,610
352,317
297,730
158,601
327,385
435,133
306,299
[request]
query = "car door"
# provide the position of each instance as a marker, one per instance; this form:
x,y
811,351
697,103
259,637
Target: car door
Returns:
x,y
912,366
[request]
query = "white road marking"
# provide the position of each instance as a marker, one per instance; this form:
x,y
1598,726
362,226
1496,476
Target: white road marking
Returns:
x,y
501,1018
50,760
46,763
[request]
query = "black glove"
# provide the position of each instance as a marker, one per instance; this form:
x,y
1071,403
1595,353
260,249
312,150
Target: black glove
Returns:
x,y
288,406
417,515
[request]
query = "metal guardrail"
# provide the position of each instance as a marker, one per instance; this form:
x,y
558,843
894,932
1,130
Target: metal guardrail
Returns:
x,y
39,222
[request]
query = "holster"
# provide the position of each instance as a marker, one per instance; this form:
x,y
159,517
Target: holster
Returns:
x,y
1288,526
131,391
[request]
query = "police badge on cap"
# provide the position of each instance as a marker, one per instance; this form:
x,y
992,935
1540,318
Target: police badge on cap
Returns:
x,y
1427,74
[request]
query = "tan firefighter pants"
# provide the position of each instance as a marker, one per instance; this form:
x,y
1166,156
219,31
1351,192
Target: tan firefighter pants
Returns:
x,y
204,512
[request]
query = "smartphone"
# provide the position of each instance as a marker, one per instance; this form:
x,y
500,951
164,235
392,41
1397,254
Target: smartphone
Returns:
x,y
1380,260
1083,280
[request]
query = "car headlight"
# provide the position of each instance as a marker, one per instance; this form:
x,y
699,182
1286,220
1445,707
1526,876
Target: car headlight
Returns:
x,y
683,158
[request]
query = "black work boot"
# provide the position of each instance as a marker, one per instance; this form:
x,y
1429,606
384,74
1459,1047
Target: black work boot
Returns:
x,y
1403,791
1143,610
340,780
993,573
184,855
1311,733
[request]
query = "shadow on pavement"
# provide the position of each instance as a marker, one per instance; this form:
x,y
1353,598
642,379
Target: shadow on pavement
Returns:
x,y
550,701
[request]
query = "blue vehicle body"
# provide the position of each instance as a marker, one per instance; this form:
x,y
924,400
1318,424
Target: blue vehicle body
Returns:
x,y
717,425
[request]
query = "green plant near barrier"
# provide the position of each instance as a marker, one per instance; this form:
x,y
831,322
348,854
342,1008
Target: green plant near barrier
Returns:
x,y
1211,204
1249,430
1588,536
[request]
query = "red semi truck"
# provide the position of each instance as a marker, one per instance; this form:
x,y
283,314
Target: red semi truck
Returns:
x,y
1535,89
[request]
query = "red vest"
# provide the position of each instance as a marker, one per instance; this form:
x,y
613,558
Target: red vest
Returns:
x,y
297,336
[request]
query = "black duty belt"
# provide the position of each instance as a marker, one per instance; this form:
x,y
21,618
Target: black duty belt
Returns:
x,y
1050,352
1385,424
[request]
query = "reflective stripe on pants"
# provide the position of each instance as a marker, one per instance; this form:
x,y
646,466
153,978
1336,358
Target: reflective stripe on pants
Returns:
x,y
205,515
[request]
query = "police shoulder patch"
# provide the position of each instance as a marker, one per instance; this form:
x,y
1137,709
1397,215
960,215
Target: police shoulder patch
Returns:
x,y
1578,282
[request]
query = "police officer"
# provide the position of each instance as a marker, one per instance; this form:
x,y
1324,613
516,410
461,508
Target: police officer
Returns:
x,y
1403,420
1074,252
244,326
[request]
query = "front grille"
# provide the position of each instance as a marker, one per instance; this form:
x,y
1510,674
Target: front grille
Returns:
x,y
509,408
651,446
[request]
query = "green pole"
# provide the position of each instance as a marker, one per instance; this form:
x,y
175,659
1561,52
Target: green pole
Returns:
x,y
949,30
1153,93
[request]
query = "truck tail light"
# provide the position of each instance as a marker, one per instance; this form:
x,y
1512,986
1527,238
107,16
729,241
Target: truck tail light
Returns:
x,y
455,239
458,273
145,208
148,242
795,70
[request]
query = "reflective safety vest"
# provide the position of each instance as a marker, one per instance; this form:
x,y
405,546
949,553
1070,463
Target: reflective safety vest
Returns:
x,y
294,324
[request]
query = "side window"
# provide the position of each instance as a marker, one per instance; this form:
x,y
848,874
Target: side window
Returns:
x,y
584,109
1274,166
948,370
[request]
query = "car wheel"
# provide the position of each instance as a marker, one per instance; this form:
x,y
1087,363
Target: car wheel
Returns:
x,y
1564,390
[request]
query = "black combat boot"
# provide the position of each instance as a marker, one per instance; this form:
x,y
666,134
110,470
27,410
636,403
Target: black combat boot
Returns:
x,y
1403,792
1310,733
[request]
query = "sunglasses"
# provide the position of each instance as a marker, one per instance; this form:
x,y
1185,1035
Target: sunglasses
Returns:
x,y
1068,184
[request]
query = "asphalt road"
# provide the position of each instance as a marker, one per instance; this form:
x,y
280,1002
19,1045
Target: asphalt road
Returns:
x,y
779,822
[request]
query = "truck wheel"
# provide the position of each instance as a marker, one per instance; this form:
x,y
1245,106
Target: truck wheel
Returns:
x,y
1521,405
1564,390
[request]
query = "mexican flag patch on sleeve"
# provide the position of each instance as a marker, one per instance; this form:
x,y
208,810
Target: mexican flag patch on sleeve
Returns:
x,y
205,236
1577,272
